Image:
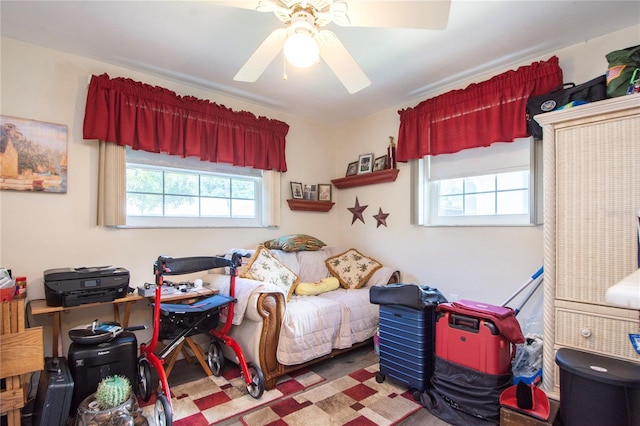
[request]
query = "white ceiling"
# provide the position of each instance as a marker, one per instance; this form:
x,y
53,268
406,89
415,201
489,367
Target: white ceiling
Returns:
x,y
204,45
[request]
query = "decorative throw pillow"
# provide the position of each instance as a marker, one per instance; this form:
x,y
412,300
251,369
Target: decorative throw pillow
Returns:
x,y
318,287
352,268
295,242
266,268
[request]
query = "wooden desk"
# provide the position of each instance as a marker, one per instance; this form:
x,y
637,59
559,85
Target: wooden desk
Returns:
x,y
39,307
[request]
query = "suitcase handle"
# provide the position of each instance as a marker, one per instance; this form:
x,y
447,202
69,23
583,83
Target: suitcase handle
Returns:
x,y
471,324
464,322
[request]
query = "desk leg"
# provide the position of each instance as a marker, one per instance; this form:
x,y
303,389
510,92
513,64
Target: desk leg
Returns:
x,y
172,358
116,314
197,351
56,333
187,355
127,313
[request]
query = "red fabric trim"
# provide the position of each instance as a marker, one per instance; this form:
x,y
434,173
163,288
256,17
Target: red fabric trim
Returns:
x,y
479,115
155,119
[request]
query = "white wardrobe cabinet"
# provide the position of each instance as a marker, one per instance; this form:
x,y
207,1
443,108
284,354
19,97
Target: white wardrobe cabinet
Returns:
x,y
592,201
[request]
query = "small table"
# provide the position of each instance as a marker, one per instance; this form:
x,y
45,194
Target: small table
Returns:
x,y
187,297
39,307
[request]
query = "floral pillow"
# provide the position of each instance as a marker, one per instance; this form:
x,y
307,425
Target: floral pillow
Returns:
x,y
266,268
352,268
295,242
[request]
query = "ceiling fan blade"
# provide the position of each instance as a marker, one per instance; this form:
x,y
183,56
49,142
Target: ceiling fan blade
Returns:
x,y
242,4
342,63
428,14
262,57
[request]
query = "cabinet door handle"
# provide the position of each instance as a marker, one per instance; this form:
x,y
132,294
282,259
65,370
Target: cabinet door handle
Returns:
x,y
585,332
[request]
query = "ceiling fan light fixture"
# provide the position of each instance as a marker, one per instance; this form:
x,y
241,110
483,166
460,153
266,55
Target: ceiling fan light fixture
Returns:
x,y
301,49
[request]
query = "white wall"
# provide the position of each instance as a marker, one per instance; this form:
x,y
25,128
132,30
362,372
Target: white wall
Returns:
x,y
478,263
39,231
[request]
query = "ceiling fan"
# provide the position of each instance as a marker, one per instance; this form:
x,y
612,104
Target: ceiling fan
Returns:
x,y
304,19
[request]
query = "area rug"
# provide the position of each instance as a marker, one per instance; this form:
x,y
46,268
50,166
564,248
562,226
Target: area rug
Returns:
x,y
213,399
355,400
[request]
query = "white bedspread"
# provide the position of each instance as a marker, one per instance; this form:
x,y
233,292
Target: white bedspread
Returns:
x,y
244,288
363,315
312,327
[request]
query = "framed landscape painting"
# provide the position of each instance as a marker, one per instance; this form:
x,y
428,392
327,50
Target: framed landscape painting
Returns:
x,y
33,155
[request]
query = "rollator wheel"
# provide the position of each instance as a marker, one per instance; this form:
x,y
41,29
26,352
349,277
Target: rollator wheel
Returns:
x,y
162,411
215,358
380,377
144,379
256,387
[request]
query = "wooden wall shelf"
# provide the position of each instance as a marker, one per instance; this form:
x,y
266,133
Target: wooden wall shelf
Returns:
x,y
387,175
310,205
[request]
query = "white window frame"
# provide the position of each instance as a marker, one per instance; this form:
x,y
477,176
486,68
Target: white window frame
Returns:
x,y
266,196
522,154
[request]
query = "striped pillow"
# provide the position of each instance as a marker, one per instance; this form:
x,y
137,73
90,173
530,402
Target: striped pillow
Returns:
x,y
295,242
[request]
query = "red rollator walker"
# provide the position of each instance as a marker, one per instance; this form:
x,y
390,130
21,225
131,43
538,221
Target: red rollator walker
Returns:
x,y
177,321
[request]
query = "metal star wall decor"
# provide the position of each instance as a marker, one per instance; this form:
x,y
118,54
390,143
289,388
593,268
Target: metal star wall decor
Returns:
x,y
356,211
381,218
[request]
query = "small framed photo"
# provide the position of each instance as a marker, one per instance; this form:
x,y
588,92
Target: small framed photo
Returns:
x,y
380,163
310,192
365,163
296,190
324,192
352,169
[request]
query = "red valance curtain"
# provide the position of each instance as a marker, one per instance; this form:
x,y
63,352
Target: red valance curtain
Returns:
x,y
154,119
479,115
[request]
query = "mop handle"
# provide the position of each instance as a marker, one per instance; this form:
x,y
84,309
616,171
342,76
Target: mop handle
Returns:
x,y
538,273
532,279
527,297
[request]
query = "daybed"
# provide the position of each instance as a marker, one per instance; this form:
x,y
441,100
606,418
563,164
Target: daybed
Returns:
x,y
281,330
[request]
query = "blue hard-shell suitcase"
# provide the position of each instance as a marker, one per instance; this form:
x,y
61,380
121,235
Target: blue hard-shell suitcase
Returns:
x,y
406,345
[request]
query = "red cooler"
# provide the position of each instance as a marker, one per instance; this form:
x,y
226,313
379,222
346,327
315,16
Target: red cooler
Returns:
x,y
477,335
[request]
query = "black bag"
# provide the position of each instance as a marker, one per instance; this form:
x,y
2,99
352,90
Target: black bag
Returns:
x,y
463,396
591,91
410,295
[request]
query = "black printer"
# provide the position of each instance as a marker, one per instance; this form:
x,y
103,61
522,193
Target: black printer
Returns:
x,y
77,286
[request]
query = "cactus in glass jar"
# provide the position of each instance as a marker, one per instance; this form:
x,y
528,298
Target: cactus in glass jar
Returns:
x,y
113,391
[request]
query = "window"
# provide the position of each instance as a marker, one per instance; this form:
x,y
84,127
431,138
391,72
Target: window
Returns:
x,y
496,185
164,190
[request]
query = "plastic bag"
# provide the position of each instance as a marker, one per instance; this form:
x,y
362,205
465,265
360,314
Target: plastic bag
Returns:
x,y
527,364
